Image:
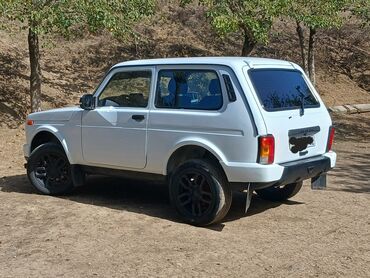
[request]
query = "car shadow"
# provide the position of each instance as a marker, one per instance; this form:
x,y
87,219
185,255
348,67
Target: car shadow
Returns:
x,y
135,196
354,175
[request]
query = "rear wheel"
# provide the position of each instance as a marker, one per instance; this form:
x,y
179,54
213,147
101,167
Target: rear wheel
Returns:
x,y
280,193
200,192
49,170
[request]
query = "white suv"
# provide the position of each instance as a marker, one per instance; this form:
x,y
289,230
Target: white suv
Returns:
x,y
204,125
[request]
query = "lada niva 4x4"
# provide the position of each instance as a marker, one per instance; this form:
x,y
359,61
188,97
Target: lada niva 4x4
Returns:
x,y
206,126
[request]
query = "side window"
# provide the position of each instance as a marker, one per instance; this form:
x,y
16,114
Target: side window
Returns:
x,y
189,89
127,89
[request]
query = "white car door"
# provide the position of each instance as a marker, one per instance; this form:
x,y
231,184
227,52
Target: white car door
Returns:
x,y
115,132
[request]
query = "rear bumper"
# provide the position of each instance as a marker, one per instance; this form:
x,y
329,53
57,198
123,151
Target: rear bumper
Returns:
x,y
266,175
252,172
297,171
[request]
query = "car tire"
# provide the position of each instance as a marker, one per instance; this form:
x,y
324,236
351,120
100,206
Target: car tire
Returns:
x,y
280,193
200,192
49,170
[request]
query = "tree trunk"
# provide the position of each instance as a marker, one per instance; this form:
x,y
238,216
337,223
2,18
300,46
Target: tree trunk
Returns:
x,y
248,45
302,45
35,78
311,55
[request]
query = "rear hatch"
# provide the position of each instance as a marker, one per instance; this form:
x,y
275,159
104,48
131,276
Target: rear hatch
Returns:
x,y
292,111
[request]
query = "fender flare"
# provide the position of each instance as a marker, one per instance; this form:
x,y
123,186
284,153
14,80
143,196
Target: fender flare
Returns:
x,y
55,132
205,144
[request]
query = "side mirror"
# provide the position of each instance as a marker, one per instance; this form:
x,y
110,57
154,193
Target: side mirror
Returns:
x,y
87,102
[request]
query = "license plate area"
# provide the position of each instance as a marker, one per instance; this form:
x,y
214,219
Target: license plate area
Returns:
x,y
298,144
303,138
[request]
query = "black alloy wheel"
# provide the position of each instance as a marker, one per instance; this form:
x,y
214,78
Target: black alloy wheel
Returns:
x,y
49,170
200,192
196,196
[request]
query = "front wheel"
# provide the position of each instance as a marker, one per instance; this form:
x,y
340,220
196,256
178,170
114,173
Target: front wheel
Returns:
x,y
200,193
280,193
49,170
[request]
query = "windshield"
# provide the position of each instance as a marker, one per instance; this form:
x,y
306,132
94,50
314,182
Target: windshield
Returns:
x,y
279,89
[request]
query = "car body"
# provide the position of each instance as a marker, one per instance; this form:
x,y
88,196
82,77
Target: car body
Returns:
x,y
176,109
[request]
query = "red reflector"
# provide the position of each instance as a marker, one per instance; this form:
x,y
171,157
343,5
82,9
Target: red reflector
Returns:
x,y
266,149
330,138
29,122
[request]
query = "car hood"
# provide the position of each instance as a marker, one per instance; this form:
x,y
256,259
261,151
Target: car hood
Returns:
x,y
60,114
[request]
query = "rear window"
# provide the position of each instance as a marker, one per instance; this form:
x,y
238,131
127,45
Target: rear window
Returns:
x,y
282,89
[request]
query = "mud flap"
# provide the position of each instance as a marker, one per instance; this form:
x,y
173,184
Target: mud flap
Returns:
x,y
249,197
78,175
318,182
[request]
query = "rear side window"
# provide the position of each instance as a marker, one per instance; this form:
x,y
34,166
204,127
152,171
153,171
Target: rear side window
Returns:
x,y
189,89
282,89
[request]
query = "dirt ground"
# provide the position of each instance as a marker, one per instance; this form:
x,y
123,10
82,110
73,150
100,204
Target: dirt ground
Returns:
x,y
121,228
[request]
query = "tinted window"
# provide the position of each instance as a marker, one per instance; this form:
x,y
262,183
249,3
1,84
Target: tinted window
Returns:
x,y
282,89
189,89
127,89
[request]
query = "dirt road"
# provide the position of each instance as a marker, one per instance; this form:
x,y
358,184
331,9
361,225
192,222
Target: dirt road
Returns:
x,y
117,228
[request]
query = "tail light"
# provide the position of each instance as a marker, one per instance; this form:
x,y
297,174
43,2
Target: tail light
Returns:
x,y
266,149
330,138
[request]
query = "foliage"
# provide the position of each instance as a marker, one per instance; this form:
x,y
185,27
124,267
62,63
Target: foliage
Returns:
x,y
318,14
59,16
65,17
361,9
315,14
253,17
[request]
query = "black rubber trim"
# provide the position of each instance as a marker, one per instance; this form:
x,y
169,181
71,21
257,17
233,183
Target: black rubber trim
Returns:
x,y
135,175
229,88
305,169
300,170
304,131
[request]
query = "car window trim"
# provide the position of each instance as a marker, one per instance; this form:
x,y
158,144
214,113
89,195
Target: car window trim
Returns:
x,y
161,65
99,90
229,87
187,69
318,105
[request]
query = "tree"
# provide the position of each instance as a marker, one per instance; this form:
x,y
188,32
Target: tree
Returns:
x,y
314,15
253,18
64,17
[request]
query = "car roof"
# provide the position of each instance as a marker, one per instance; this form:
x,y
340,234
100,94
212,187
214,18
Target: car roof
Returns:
x,y
226,61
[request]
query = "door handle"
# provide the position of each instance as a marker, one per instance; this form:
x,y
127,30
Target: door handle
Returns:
x,y
138,118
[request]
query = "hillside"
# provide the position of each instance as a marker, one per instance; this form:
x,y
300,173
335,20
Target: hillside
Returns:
x,y
71,68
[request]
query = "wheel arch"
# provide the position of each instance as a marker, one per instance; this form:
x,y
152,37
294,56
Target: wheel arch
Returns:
x,y
49,134
191,149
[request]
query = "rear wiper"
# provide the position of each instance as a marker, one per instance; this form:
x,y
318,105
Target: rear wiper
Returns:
x,y
301,113
303,98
